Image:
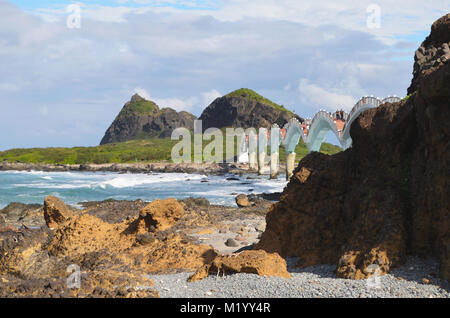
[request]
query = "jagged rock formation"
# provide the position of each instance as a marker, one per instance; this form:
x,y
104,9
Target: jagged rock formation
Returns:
x,y
433,52
16,214
244,108
385,197
140,118
159,215
113,255
55,211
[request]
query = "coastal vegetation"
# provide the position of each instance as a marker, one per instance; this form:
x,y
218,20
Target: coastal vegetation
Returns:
x,y
252,95
145,150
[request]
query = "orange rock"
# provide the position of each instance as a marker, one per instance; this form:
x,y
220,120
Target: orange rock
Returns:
x,y
86,233
242,201
205,231
55,211
357,265
303,175
121,243
160,215
255,261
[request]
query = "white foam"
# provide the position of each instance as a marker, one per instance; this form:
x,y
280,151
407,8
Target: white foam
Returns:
x,y
133,180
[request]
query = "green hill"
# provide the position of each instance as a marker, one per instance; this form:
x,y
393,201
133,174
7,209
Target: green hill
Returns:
x,y
252,95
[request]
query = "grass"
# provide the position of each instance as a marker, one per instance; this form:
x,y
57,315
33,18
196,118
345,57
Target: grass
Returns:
x,y
148,150
141,107
151,150
250,94
407,97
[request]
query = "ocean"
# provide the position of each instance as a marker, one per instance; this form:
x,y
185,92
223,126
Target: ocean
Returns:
x,y
76,187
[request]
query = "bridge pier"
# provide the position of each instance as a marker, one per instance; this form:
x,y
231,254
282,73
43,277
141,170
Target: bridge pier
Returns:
x,y
261,158
252,148
290,164
262,148
252,160
274,165
274,148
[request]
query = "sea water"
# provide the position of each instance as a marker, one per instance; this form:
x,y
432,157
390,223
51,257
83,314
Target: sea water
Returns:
x,y
76,187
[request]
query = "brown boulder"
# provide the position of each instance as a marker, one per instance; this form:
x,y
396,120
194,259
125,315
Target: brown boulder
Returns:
x,y
381,199
160,215
255,262
242,201
55,211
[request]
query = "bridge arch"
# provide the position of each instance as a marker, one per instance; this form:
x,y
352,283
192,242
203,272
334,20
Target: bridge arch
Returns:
x,y
321,124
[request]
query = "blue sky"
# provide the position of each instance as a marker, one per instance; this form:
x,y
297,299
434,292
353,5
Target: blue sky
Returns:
x,y
63,87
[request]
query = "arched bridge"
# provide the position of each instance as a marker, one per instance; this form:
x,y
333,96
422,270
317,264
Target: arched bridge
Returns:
x,y
313,132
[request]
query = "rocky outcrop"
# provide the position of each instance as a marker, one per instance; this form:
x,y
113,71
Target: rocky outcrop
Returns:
x,y
242,201
433,53
17,214
244,108
55,212
381,199
159,215
140,118
253,262
112,246
113,257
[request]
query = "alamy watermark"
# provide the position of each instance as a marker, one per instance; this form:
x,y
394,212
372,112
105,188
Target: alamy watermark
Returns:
x,y
214,150
374,280
374,16
74,19
74,279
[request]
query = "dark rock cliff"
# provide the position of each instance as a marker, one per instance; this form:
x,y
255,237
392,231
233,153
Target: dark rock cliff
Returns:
x,y
385,197
140,118
434,51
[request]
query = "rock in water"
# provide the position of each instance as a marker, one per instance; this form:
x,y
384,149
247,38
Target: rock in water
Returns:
x,y
253,262
55,212
385,197
140,118
244,108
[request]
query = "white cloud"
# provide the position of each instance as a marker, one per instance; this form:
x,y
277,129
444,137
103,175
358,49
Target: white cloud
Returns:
x,y
187,58
177,103
398,18
142,92
209,97
321,97
181,104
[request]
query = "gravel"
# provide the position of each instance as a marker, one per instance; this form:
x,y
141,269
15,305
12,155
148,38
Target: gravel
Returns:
x,y
315,281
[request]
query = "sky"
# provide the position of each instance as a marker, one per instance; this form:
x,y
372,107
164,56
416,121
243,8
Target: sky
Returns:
x,y
62,83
